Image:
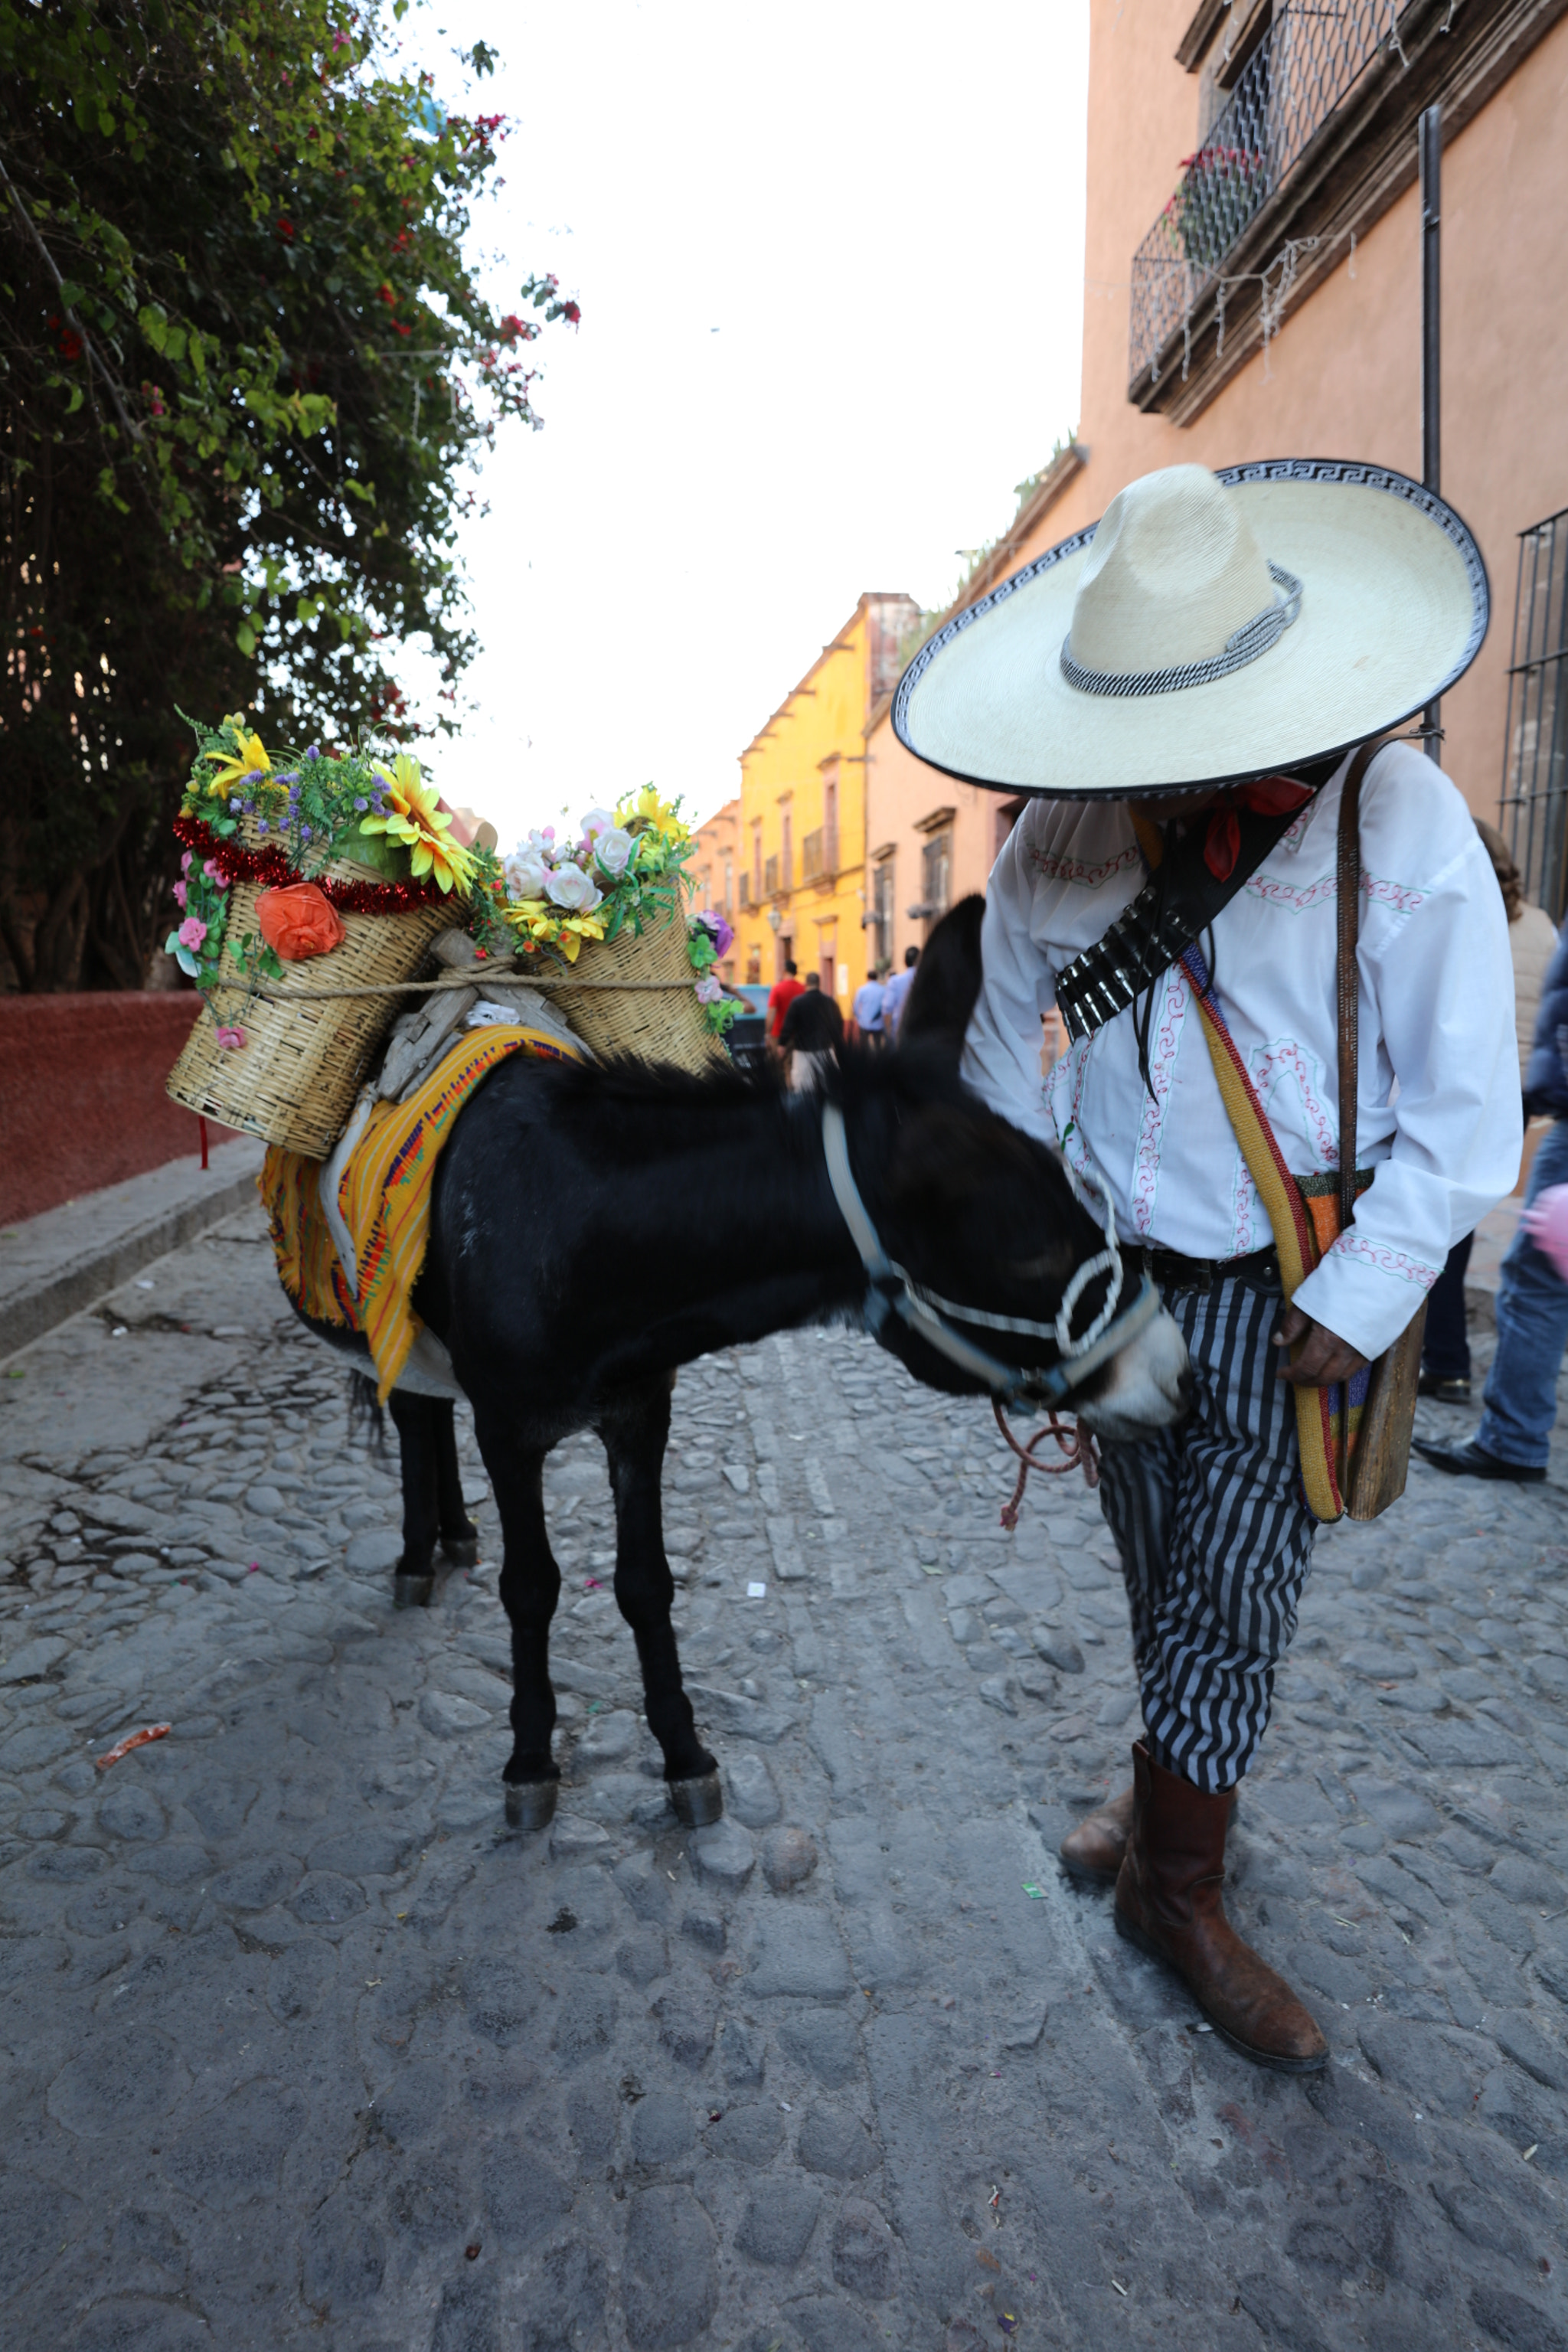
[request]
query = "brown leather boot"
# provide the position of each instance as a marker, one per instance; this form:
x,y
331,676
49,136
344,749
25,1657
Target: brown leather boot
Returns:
x,y
1093,1851
1168,1903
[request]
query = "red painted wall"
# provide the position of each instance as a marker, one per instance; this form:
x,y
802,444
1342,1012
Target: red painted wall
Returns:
x,y
81,1094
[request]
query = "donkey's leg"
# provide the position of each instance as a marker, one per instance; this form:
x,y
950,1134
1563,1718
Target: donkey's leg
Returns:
x,y
459,1536
414,1578
635,1430
530,1588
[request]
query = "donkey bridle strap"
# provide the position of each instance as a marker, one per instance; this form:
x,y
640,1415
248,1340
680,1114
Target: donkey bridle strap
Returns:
x,y
927,1313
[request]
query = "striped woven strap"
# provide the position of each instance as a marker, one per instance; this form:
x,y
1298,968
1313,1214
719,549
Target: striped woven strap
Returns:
x,y
1295,1242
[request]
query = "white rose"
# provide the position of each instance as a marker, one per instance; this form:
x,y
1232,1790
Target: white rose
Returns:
x,y
597,821
569,887
525,872
612,849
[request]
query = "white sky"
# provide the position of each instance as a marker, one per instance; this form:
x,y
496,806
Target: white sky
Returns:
x,y
830,261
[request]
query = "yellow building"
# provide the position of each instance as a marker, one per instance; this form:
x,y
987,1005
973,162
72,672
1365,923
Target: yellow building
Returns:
x,y
801,864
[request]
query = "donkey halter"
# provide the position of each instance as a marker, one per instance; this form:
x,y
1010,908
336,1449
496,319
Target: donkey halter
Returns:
x,y
927,1313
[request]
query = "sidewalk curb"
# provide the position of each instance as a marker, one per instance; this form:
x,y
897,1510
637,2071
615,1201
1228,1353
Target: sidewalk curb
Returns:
x,y
40,1305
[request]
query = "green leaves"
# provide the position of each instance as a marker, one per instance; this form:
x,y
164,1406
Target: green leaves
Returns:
x,y
236,470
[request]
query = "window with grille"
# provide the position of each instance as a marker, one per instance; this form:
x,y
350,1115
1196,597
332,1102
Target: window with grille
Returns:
x,y
936,876
882,911
1535,759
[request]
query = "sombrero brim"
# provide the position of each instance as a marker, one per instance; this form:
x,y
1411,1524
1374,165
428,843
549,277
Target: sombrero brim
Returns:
x,y
1395,607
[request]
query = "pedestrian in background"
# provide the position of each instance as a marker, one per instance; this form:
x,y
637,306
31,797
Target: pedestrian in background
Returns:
x,y
1445,1349
867,1010
780,996
895,993
812,1029
1514,1439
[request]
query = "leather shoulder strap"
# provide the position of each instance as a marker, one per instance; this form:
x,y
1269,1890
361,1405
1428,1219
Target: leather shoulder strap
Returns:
x,y
1348,974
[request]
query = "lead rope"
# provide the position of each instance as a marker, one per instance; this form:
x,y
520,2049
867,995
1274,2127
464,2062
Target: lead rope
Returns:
x,y
1077,1454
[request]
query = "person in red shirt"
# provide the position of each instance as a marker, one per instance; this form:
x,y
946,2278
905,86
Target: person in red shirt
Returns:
x,y
780,996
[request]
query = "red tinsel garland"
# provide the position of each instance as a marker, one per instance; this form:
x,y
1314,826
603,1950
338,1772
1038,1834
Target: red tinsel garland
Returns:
x,y
239,864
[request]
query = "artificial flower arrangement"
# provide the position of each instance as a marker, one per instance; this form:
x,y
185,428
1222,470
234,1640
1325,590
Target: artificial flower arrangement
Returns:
x,y
247,818
283,823
625,866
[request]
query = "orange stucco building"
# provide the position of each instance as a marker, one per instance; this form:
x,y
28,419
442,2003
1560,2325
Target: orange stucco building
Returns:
x,y
1252,165
714,869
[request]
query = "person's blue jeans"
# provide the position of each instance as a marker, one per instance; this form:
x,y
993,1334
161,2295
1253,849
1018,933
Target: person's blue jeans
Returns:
x,y
1531,1332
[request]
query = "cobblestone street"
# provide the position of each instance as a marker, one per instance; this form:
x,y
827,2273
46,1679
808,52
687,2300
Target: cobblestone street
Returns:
x,y
299,2045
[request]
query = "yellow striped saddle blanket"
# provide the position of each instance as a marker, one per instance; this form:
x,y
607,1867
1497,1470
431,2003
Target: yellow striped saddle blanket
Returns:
x,y
383,1199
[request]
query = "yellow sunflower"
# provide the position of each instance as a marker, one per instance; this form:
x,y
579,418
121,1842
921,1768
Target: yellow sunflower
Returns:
x,y
412,817
237,766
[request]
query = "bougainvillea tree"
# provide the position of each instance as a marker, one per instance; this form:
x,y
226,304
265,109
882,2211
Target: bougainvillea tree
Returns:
x,y
246,371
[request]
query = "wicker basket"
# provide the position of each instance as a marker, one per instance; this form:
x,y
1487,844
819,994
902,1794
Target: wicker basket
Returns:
x,y
293,1081
660,1020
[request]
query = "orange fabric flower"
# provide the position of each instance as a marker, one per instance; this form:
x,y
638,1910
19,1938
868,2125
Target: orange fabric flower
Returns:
x,y
298,921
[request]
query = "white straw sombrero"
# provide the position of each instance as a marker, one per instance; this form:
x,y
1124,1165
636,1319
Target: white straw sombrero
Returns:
x,y
1209,627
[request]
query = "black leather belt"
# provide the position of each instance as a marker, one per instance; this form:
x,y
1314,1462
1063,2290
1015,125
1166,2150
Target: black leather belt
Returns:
x,y
1169,1270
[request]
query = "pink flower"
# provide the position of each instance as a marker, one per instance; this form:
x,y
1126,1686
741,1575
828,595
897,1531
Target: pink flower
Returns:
x,y
193,931
185,863
231,1040
214,873
709,990
179,894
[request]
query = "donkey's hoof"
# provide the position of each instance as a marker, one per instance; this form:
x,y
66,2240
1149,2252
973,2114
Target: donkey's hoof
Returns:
x,y
411,1588
531,1804
461,1551
696,1802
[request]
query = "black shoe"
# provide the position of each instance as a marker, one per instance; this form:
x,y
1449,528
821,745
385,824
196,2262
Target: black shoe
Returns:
x,y
1455,1390
1473,1461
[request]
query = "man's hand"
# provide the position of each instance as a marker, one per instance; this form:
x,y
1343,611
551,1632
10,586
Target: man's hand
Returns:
x,y
1325,1358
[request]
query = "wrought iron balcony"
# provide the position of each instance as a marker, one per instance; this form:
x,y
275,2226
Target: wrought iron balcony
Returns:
x,y
819,853
1304,66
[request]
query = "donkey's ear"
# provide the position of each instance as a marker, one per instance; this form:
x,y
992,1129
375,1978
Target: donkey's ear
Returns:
x,y
946,982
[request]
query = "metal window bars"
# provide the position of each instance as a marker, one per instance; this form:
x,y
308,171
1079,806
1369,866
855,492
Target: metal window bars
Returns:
x,y
1535,752
1304,66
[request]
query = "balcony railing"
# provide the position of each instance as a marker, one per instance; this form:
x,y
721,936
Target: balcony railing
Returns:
x,y
819,853
1305,65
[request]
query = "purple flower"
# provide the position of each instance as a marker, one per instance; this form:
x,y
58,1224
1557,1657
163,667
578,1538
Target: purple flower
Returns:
x,y
361,804
723,933
261,825
234,807
312,750
304,833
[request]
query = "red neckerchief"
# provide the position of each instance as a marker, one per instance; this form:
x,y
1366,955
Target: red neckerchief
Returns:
x,y
1270,796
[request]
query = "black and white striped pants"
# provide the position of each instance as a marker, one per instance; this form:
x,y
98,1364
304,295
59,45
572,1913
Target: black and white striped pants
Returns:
x,y
1216,1539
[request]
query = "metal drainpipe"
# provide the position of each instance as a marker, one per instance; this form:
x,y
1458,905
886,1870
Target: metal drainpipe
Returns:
x,y
1430,141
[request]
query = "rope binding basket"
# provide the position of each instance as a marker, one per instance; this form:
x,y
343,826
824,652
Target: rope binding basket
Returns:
x,y
294,1079
656,1015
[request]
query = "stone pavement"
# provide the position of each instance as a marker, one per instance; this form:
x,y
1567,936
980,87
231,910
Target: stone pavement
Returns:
x,y
299,2045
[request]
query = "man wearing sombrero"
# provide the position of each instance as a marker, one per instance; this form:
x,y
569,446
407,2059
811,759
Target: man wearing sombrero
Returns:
x,y
1192,691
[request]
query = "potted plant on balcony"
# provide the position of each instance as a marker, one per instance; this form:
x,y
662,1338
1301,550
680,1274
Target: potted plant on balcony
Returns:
x,y
1221,188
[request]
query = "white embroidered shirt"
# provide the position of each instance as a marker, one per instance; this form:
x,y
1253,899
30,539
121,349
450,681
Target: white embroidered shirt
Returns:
x,y
1439,1113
